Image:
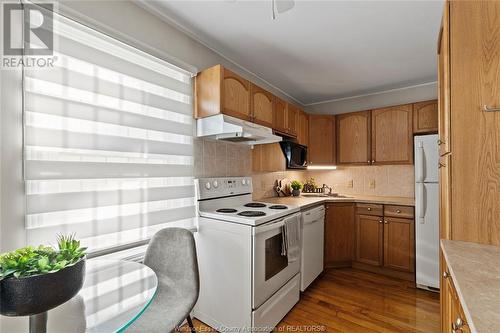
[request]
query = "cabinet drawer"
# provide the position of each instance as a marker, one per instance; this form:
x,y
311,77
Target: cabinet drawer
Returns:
x,y
369,209
399,211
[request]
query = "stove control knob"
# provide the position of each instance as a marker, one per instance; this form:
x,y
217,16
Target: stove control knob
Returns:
x,y
243,182
208,186
215,184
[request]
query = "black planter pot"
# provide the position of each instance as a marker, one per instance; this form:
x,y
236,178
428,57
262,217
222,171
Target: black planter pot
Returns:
x,y
36,294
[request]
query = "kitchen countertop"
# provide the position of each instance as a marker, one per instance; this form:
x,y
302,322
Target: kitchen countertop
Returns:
x,y
305,202
475,272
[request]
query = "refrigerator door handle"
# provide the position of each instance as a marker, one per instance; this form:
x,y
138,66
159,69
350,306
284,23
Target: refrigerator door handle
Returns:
x,y
420,165
421,202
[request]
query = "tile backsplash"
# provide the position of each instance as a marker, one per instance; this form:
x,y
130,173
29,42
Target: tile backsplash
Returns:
x,y
223,159
387,180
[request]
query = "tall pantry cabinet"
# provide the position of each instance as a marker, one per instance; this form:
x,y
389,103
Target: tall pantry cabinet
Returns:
x,y
469,131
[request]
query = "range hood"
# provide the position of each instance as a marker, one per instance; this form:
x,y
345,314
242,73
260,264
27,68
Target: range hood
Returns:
x,y
226,128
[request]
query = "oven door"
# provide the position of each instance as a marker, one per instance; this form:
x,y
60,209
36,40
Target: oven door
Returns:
x,y
271,270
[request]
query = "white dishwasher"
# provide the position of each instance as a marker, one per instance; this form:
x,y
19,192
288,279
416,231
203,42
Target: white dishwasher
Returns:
x,y
313,228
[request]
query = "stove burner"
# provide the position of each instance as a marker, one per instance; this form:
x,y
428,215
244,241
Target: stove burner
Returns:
x,y
226,210
278,207
251,213
255,204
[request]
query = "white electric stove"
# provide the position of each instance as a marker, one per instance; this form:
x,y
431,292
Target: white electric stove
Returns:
x,y
245,281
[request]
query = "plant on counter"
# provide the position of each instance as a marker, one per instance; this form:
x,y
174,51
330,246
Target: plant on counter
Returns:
x,y
296,185
30,261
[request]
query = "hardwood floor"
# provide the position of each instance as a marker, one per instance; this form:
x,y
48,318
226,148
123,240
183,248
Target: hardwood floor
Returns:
x,y
349,300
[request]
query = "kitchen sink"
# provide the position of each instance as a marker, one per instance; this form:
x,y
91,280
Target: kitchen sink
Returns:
x,y
323,195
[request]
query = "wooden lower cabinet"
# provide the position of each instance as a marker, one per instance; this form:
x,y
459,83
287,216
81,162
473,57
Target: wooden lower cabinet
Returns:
x,y
385,244
339,234
369,239
452,313
399,244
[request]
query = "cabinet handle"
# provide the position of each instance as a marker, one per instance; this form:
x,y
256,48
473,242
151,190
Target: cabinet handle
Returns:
x,y
369,208
490,109
373,161
386,222
457,326
446,274
398,211
380,221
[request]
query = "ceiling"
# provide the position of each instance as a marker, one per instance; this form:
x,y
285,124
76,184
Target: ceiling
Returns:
x,y
320,50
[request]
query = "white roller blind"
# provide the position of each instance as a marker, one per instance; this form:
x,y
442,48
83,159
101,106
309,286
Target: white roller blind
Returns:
x,y
108,143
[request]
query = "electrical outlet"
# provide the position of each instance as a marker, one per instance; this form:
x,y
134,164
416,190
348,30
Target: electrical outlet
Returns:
x,y
371,183
350,183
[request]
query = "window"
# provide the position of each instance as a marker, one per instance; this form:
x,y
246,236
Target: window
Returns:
x,y
108,143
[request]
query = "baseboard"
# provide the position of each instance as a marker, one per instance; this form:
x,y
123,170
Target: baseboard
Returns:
x,y
385,271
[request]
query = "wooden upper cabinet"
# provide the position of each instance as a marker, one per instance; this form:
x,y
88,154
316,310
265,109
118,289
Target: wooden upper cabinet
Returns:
x,y
444,83
218,90
303,128
353,138
268,158
369,239
236,95
279,119
392,135
292,119
262,106
425,117
399,244
321,149
339,220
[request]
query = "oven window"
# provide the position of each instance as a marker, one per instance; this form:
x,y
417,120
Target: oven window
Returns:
x,y
275,262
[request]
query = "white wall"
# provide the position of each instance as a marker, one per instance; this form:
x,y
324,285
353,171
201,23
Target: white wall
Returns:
x,y
376,100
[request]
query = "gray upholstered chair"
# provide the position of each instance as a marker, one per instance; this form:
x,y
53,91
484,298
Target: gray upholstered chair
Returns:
x,y
171,254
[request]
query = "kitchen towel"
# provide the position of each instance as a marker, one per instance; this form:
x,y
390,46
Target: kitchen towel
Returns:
x,y
291,238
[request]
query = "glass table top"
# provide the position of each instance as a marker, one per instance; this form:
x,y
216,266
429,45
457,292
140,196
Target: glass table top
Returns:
x,y
115,293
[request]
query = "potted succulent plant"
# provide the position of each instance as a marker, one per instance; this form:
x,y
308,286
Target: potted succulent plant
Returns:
x,y
34,280
296,187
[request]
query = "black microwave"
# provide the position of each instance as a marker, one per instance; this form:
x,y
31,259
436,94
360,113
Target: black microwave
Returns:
x,y
295,155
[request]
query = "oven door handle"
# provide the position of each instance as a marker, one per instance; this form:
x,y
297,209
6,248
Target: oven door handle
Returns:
x,y
275,225
272,226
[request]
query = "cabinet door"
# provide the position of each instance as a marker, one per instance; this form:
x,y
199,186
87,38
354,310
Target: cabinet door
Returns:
x,y
399,244
279,119
425,117
444,196
291,119
445,297
392,135
339,234
236,96
369,239
303,128
475,135
262,104
321,149
444,83
353,138
268,158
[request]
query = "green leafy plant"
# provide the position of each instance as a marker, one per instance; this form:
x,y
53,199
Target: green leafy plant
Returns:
x,y
29,261
296,185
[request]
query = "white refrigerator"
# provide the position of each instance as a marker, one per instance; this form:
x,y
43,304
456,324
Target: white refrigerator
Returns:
x,y
426,212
